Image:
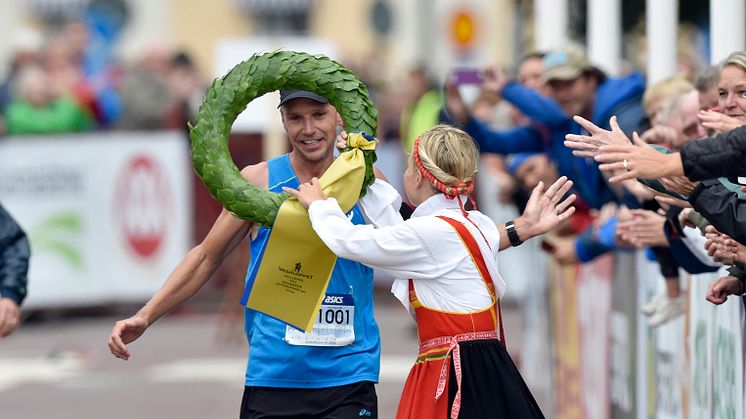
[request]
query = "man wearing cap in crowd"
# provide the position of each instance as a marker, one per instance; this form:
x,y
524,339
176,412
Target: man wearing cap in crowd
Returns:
x,y
573,87
290,373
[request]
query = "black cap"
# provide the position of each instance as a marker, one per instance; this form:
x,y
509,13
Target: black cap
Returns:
x,y
287,95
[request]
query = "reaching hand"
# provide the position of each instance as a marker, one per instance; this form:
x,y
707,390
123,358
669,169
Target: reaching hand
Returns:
x,y
124,332
589,145
645,228
341,140
607,212
661,134
544,210
638,160
671,201
723,248
455,104
10,316
680,184
564,251
719,122
719,290
494,80
307,193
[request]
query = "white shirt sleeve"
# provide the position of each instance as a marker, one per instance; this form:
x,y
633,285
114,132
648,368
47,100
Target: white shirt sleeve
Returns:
x,y
695,241
381,204
398,250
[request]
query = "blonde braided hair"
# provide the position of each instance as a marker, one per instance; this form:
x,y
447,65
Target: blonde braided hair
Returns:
x,y
447,157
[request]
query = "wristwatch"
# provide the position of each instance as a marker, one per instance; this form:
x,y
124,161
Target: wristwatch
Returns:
x,y
512,234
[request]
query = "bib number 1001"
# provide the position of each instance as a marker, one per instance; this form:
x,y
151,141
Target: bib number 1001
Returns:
x,y
333,316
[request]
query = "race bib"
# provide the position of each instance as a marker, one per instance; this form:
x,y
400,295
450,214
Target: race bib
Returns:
x,y
335,324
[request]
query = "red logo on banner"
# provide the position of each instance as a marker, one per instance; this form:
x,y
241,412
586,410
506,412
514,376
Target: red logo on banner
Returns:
x,y
142,205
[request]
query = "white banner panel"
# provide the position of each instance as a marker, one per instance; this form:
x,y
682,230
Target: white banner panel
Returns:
x,y
700,342
108,215
727,360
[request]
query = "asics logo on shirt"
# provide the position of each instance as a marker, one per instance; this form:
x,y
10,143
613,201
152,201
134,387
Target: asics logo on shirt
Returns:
x,y
333,299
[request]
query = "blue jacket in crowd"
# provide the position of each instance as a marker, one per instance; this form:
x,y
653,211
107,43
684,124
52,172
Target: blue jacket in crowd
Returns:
x,y
14,256
549,125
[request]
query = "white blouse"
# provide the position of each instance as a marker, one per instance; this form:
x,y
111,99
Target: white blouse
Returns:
x,y
424,248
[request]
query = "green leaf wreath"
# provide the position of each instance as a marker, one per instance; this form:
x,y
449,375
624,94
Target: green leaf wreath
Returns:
x,y
228,96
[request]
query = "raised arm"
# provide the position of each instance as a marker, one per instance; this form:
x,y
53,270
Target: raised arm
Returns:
x,y
189,275
535,106
515,140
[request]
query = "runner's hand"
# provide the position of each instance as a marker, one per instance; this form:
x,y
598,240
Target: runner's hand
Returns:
x,y
124,332
341,140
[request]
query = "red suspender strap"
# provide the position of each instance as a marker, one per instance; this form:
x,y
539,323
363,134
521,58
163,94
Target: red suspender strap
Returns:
x,y
502,331
473,248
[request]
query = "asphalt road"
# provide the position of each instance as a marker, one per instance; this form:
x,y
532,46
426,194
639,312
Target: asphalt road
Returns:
x,y
188,365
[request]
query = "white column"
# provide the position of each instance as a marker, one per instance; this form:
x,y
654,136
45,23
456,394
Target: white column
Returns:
x,y
605,34
550,23
661,24
727,29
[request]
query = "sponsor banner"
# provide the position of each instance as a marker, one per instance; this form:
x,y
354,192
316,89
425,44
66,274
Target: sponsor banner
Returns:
x,y
581,306
536,353
715,342
594,315
108,215
565,338
670,371
699,342
623,372
649,283
727,360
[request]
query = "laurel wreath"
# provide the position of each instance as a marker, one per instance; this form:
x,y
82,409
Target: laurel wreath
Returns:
x,y
228,96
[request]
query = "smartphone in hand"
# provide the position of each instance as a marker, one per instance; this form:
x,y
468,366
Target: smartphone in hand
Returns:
x,y
461,76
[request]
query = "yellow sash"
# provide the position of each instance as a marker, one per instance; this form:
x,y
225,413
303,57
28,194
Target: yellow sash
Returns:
x,y
296,266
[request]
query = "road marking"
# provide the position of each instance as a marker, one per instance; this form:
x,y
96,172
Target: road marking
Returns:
x,y
17,371
230,370
68,372
217,370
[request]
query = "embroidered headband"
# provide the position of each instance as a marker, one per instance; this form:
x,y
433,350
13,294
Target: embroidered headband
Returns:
x,y
451,192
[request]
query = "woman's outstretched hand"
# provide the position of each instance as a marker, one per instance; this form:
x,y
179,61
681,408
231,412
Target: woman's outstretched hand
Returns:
x,y
546,209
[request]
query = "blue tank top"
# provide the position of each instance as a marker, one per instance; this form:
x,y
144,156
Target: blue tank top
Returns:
x,y
275,363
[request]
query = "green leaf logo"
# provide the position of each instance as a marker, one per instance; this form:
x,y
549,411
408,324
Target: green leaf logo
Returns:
x,y
54,235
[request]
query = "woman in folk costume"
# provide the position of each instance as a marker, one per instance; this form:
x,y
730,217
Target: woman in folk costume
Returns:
x,y
446,258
